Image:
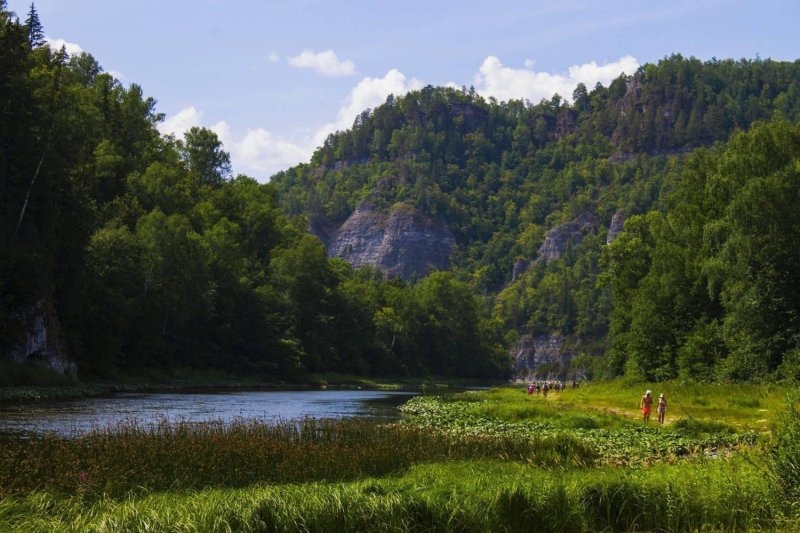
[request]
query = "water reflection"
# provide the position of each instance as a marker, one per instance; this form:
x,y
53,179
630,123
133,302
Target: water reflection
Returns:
x,y
75,416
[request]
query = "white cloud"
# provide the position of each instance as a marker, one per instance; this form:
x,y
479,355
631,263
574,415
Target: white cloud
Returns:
x,y
181,122
506,83
589,73
325,63
273,57
258,152
56,44
368,93
117,74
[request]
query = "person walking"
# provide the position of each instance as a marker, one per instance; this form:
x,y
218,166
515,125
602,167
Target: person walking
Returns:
x,y
646,405
662,408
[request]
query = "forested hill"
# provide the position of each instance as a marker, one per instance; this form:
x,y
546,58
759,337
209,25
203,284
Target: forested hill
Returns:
x,y
522,198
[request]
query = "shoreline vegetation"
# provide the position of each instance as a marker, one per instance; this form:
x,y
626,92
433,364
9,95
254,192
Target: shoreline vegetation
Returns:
x,y
69,390
488,460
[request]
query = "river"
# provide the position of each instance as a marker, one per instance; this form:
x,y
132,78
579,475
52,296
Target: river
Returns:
x,y
72,417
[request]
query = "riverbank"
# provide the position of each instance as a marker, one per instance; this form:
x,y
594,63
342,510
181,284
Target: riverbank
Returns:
x,y
497,460
66,390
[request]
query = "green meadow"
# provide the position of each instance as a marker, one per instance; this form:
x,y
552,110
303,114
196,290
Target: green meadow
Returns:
x,y
496,460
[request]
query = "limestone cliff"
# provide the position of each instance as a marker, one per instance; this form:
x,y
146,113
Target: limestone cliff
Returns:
x,y
617,224
41,343
556,242
401,242
567,234
541,356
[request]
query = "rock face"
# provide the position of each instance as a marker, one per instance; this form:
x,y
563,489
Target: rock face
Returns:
x,y
556,242
519,268
402,243
541,356
561,236
617,224
42,344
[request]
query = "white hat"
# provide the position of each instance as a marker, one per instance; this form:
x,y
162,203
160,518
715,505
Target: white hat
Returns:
x,y
648,392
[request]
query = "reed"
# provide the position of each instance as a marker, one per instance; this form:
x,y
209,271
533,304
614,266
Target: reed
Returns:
x,y
168,456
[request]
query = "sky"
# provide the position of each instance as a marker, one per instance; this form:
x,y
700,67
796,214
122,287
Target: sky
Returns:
x,y
274,77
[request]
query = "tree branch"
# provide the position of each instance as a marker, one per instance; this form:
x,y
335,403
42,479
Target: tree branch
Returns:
x,y
28,194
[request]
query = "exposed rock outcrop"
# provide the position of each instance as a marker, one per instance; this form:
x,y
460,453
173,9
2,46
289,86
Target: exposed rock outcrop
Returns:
x,y
541,356
519,268
566,234
565,122
403,242
617,225
42,343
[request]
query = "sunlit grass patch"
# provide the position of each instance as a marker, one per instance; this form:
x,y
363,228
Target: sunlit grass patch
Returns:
x,y
719,495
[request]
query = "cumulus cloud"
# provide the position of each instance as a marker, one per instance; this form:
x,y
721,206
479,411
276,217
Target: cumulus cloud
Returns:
x,y
506,83
325,63
181,122
257,152
273,57
56,44
368,93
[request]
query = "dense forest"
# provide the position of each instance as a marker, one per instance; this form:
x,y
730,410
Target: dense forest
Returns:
x,y
156,260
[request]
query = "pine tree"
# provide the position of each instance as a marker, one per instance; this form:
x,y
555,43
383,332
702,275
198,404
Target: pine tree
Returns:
x,y
34,27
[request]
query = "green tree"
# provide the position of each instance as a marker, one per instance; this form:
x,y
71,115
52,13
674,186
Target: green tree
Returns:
x,y
203,153
34,27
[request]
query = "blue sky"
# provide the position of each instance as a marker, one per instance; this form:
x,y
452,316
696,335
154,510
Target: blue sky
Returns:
x,y
272,78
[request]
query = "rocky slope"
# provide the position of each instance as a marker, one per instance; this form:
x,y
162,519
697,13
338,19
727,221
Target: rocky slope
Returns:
x,y
401,242
542,356
42,344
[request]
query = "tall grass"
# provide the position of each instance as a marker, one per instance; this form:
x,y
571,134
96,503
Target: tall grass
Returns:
x,y
723,495
193,456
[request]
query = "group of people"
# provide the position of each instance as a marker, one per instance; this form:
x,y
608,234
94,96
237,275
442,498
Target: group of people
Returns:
x,y
646,403
646,406
535,387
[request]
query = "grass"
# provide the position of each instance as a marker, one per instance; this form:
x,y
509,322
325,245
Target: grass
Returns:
x,y
729,495
740,406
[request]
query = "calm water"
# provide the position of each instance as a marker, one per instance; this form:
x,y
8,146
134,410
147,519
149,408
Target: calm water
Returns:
x,y
70,417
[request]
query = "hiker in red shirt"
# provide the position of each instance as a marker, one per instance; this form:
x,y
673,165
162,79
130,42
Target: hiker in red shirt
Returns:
x,y
645,405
